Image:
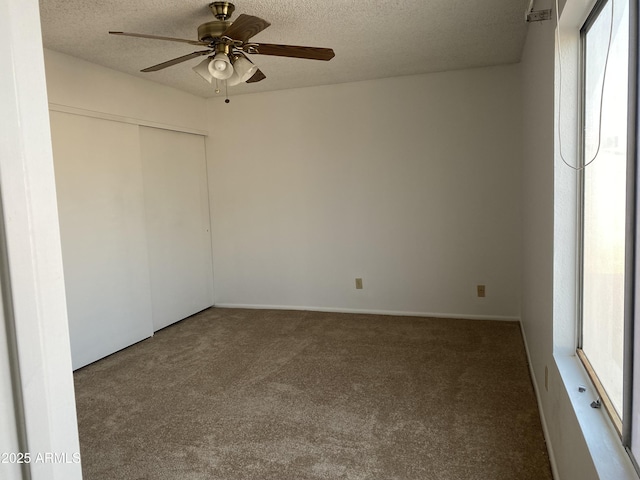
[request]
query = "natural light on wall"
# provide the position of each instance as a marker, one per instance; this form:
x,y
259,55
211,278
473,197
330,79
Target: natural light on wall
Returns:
x,y
604,201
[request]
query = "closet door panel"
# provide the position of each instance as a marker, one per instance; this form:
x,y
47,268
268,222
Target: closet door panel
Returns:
x,y
178,226
102,227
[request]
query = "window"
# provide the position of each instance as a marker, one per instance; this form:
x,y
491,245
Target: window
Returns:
x,y
601,211
605,47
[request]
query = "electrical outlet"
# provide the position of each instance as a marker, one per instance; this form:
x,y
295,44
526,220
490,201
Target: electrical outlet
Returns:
x,y
481,291
358,284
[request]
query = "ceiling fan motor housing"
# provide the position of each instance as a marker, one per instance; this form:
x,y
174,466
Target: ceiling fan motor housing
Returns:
x,y
210,30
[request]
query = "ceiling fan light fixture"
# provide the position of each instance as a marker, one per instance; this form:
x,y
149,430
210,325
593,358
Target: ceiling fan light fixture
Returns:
x,y
226,43
202,69
243,70
220,67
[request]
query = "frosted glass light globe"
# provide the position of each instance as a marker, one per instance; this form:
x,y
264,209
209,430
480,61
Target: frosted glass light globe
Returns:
x,y
220,67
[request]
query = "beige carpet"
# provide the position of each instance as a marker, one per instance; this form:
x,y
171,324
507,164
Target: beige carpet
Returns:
x,y
253,394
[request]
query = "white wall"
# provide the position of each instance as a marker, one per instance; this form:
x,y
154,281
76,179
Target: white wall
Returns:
x,y
411,183
72,82
571,456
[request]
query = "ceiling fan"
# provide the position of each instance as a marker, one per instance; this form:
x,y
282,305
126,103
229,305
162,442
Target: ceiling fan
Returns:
x,y
227,44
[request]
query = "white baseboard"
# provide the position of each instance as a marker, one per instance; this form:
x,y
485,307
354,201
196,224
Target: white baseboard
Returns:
x,y
370,312
545,430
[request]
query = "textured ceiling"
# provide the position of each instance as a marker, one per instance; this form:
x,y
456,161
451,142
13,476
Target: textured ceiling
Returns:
x,y
371,38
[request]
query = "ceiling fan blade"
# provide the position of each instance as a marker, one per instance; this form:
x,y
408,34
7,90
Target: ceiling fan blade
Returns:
x,y
245,27
256,77
156,37
183,58
312,53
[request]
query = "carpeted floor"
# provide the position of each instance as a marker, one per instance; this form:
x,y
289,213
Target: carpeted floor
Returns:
x,y
277,395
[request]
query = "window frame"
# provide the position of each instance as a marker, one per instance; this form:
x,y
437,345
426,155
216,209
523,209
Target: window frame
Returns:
x,y
632,259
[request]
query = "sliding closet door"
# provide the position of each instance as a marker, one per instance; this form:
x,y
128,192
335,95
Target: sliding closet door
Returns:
x,y
178,227
104,250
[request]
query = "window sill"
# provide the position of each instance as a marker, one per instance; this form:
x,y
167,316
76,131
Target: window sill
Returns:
x,y
608,455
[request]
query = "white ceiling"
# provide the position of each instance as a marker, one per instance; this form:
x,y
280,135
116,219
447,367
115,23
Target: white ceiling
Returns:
x,y
371,38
